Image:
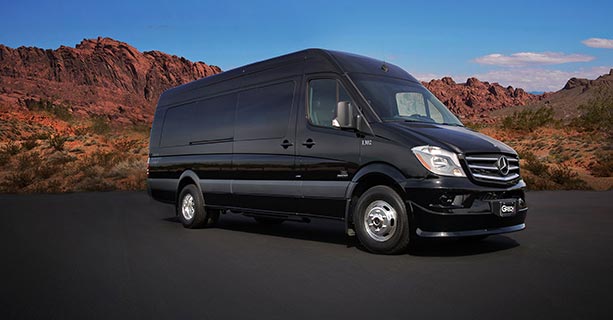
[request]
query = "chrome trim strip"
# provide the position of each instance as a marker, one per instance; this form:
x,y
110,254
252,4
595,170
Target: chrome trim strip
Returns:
x,y
468,233
509,178
480,159
488,159
474,166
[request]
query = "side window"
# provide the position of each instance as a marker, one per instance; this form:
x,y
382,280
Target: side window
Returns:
x,y
199,122
263,113
324,94
410,103
434,113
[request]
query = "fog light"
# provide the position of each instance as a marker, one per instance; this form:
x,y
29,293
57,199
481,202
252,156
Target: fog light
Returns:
x,y
446,200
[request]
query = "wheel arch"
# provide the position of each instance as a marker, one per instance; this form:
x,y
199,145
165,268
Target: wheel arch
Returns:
x,y
369,176
187,177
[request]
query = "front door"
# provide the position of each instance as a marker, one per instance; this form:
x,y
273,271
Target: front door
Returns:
x,y
327,156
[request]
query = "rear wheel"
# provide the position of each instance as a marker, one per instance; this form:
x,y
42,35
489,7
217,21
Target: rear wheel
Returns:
x,y
190,209
381,221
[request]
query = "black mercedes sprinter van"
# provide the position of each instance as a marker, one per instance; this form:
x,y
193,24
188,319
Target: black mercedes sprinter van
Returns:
x,y
326,134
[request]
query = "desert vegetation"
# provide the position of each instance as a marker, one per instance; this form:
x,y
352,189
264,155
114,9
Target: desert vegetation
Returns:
x,y
66,153
570,154
47,148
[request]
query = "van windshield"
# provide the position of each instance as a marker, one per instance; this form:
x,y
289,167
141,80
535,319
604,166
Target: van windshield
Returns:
x,y
399,100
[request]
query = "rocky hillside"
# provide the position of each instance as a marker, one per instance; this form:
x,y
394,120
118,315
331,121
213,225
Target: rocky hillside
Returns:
x,y
99,76
475,99
565,102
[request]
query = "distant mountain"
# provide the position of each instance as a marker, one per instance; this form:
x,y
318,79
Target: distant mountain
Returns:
x,y
475,99
575,93
98,76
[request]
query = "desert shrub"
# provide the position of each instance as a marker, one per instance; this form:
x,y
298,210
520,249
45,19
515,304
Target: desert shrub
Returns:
x,y
105,159
141,127
47,186
535,165
61,111
10,148
100,125
45,171
597,114
475,125
57,141
81,130
126,144
542,177
4,159
566,178
18,180
29,161
127,168
60,159
603,167
93,183
528,120
29,144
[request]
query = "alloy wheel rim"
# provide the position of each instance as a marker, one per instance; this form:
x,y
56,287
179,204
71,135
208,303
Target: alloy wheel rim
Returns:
x,y
187,207
380,220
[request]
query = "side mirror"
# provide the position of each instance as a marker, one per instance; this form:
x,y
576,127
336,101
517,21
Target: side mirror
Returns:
x,y
346,115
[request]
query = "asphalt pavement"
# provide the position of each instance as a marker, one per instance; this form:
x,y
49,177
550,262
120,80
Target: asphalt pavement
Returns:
x,y
120,255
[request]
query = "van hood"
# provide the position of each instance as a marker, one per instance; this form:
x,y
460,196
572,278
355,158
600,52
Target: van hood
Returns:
x,y
452,138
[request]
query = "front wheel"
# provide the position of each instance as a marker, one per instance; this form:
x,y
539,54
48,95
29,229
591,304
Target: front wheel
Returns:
x,y
190,209
381,221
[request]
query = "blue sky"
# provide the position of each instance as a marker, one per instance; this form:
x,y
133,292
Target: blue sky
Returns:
x,y
536,45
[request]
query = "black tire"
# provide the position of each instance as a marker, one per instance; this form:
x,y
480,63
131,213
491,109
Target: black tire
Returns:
x,y
382,201
199,217
269,220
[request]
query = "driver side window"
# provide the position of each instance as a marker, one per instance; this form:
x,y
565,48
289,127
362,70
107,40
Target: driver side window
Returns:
x,y
324,94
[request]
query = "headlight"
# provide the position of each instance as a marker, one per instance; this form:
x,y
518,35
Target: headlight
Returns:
x,y
439,161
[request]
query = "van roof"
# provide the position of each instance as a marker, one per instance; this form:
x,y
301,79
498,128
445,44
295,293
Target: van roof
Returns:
x,y
322,61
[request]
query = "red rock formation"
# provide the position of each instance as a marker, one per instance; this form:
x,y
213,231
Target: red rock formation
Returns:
x,y
475,99
98,76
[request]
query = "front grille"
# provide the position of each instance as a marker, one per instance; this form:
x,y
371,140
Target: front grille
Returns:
x,y
485,168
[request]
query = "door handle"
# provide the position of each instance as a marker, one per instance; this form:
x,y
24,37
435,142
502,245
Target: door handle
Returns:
x,y
309,143
286,144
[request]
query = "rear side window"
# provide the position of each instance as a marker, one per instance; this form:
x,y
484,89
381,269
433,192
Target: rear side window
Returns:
x,y
263,113
205,121
324,94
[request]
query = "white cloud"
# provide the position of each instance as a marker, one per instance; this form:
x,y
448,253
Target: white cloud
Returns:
x,y
538,79
598,43
426,76
531,58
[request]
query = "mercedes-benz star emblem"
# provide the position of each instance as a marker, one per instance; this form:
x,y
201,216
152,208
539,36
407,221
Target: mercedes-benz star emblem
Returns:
x,y
503,165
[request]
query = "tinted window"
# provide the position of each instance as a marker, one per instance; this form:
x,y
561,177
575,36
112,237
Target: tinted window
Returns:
x,y
264,112
324,94
399,100
204,121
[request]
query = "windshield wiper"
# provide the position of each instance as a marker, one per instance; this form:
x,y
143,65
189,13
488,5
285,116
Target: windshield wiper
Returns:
x,y
451,124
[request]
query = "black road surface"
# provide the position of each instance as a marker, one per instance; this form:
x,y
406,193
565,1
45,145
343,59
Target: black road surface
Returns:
x,y
123,256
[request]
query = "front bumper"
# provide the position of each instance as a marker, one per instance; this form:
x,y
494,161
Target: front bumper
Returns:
x,y
456,207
